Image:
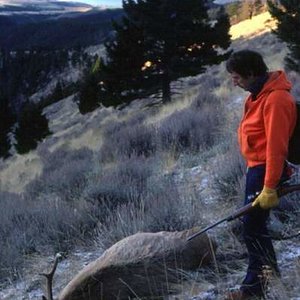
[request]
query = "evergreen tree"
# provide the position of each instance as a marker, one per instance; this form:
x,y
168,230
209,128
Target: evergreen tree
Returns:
x,y
58,92
32,128
89,94
159,41
287,13
89,91
122,76
7,120
6,115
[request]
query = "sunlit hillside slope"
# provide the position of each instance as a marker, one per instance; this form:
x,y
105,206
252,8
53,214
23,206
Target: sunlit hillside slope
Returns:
x,y
257,25
71,129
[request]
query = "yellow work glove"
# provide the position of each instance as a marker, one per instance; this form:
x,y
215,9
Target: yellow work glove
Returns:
x,y
266,199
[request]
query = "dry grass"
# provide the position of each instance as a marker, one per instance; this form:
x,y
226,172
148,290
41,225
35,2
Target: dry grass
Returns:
x,y
19,170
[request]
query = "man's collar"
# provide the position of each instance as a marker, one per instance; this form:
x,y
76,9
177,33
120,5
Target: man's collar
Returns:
x,y
257,85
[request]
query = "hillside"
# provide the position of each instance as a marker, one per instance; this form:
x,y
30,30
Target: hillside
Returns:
x,y
64,113
23,32
41,6
112,154
250,28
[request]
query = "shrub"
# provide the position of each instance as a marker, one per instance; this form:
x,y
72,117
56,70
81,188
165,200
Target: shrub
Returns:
x,y
64,174
10,207
121,184
168,209
191,129
161,207
32,128
127,139
44,226
229,171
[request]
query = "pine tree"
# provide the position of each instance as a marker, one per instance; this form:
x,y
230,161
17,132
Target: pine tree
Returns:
x,y
287,13
159,41
89,91
7,120
6,115
32,128
89,94
122,76
58,92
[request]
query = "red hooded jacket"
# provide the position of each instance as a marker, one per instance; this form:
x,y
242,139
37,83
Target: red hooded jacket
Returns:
x,y
267,125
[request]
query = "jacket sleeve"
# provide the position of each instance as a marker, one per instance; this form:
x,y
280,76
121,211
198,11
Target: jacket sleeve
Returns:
x,y
279,121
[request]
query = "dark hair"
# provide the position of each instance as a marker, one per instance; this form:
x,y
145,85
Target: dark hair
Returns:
x,y
246,63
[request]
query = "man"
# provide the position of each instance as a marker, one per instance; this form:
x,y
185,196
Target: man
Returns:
x,y
264,132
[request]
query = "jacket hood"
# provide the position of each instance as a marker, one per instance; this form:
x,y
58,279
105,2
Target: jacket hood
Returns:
x,y
277,81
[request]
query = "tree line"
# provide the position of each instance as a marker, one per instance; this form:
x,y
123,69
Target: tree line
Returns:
x,y
22,73
28,32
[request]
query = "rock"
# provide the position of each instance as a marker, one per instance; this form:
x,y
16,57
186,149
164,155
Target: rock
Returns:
x,y
141,265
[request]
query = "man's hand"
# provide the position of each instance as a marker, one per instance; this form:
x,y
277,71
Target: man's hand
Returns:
x,y
266,199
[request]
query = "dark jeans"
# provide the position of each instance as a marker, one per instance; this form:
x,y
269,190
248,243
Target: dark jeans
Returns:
x,y
256,236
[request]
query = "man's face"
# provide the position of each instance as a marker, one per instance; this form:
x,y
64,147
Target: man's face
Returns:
x,y
242,82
